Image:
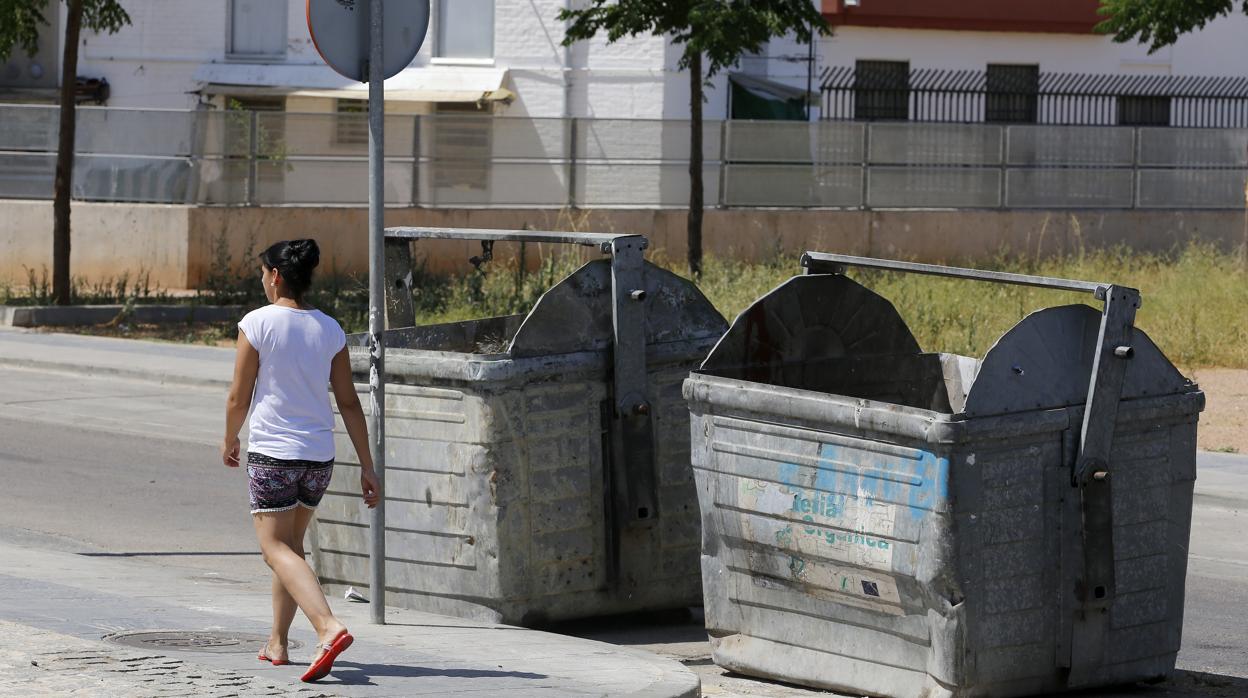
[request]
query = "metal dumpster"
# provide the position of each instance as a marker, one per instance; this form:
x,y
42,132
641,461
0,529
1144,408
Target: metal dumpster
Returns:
x,y
538,464
881,520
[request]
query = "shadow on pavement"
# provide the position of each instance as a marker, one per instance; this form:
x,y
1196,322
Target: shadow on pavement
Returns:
x,y
360,674
1181,684
683,625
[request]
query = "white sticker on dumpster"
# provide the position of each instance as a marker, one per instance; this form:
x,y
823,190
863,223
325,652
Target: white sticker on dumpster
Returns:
x,y
840,510
868,589
827,525
861,588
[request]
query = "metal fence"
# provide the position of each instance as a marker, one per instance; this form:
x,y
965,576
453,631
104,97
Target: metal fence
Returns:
x,y
275,158
1009,94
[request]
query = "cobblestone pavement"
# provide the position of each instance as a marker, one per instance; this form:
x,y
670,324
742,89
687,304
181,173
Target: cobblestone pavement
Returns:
x,y
38,663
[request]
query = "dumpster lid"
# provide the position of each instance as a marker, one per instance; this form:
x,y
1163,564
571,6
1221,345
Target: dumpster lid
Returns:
x,y
807,319
575,314
1045,361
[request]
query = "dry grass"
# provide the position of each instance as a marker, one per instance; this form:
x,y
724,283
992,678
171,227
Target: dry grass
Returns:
x,y
1195,301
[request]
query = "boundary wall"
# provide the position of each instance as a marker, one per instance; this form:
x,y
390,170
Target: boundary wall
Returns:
x,y
179,246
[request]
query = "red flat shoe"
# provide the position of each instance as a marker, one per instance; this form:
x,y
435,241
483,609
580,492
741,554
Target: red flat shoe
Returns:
x,y
321,667
275,662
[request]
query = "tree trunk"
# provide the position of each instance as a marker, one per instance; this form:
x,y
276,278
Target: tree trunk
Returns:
x,y
61,286
695,165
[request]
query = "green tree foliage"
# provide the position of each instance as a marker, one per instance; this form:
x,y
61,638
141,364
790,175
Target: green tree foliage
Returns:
x,y
20,21
1160,23
719,30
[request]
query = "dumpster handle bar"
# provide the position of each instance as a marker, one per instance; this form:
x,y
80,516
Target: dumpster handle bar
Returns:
x,y
822,262
602,241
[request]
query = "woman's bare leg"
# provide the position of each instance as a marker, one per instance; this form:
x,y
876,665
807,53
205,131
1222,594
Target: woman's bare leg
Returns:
x,y
284,606
274,531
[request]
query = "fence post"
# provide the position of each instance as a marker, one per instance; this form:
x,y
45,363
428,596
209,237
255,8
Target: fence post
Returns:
x,y
1135,167
723,163
434,120
253,137
866,165
416,160
572,138
1003,187
194,158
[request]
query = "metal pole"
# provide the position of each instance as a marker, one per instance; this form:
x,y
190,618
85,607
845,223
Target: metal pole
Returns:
x,y
376,319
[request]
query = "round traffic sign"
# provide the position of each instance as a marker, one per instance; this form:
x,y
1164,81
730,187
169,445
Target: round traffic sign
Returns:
x,y
339,30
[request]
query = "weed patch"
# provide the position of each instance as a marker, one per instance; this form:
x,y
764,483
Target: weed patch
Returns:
x,y
1194,299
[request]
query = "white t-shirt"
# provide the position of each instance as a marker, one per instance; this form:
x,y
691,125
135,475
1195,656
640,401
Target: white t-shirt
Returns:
x,y
291,418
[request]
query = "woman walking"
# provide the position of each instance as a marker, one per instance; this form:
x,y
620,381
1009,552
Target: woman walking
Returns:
x,y
287,353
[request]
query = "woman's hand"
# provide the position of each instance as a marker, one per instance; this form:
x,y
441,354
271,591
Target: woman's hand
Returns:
x,y
229,452
369,487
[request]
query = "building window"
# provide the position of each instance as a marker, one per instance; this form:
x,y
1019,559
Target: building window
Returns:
x,y
1143,111
1012,94
882,90
462,147
351,122
257,29
465,29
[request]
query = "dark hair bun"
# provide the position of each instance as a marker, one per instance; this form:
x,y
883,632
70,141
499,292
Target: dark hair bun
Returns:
x,y
305,254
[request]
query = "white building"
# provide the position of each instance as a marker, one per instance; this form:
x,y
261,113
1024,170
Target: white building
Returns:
x,y
1008,38
505,56
500,55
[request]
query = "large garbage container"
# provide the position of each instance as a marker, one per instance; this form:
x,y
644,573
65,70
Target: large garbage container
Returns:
x,y
538,464
880,520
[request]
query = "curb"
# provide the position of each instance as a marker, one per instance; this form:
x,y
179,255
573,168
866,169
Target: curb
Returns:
x,y
56,315
673,683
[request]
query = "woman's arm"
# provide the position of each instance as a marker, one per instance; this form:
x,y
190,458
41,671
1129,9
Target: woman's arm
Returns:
x,y
246,366
353,418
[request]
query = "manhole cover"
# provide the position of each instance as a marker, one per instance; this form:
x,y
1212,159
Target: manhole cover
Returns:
x,y
193,640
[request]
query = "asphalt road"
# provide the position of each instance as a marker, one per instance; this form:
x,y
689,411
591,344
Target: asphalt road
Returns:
x,y
122,468
108,466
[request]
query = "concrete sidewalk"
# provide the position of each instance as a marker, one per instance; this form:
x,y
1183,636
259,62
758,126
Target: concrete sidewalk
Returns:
x,y
55,608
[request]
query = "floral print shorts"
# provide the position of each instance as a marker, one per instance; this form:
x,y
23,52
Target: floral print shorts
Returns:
x,y
281,485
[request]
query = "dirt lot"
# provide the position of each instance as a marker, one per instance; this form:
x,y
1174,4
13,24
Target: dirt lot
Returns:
x,y
1224,423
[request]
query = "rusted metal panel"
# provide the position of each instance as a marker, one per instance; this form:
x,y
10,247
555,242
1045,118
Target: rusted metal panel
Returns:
x,y
399,311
